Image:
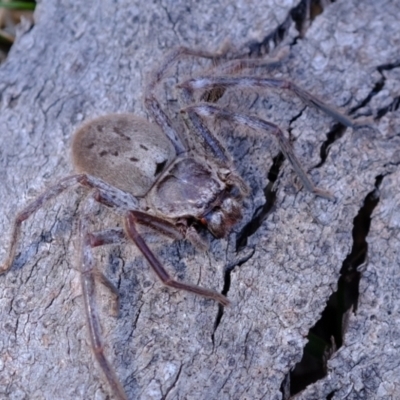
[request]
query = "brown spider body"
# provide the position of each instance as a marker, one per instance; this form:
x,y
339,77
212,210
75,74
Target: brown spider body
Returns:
x,y
147,174
136,157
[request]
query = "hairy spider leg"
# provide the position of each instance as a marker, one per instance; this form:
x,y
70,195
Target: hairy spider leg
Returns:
x,y
151,102
231,66
249,82
121,199
219,153
130,226
89,275
133,218
265,126
30,209
236,65
162,119
125,204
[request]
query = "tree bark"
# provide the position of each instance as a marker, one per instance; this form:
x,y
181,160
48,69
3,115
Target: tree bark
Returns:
x,y
81,60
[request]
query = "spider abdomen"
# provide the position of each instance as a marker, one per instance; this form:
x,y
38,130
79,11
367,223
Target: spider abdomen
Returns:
x,y
124,150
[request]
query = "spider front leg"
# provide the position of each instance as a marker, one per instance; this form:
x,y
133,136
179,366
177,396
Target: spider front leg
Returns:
x,y
90,274
130,227
162,119
261,125
133,218
151,102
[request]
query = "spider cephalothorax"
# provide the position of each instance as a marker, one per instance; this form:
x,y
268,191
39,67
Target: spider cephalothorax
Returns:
x,y
191,188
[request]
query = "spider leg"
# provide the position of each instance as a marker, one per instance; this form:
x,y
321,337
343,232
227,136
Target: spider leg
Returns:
x,y
220,155
159,225
153,106
99,275
130,227
108,236
249,82
101,238
199,127
116,235
165,228
89,275
162,226
173,57
239,64
151,102
232,66
30,209
121,199
261,125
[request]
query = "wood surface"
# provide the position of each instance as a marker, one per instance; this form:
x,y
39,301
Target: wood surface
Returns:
x,y
85,59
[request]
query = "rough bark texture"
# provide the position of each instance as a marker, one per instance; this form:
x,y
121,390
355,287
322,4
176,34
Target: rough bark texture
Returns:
x,y
81,60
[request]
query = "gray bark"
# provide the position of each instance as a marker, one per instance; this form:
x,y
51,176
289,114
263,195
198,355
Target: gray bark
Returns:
x,y
81,60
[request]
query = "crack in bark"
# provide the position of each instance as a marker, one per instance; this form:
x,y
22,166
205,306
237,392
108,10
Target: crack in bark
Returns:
x,y
393,106
301,16
326,336
377,88
307,11
330,395
262,212
338,130
334,134
227,284
173,383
